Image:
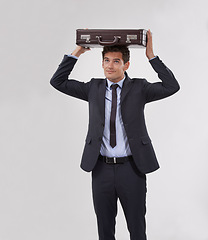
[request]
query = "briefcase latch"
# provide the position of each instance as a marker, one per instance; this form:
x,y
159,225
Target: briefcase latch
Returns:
x,y
86,37
130,37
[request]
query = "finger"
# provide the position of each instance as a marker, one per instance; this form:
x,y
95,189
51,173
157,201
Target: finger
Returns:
x,y
149,34
87,48
149,37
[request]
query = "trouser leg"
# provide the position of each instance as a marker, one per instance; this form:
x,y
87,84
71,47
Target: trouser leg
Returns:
x,y
131,190
105,200
123,181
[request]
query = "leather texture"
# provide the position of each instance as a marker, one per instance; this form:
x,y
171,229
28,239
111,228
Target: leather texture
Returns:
x,y
95,38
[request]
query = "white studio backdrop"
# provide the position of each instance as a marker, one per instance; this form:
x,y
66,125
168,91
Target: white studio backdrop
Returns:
x,y
44,194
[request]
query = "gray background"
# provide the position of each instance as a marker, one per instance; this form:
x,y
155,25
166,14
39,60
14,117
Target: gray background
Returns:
x,y
43,193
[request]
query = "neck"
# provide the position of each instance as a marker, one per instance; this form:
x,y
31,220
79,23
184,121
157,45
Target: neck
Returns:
x,y
117,79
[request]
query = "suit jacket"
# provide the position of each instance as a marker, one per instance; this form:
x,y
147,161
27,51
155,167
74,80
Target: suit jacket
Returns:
x,y
135,94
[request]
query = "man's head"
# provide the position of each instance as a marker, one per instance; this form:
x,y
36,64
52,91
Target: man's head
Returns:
x,y
115,62
122,49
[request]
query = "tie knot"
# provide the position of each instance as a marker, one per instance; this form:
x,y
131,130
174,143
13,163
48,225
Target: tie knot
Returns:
x,y
114,86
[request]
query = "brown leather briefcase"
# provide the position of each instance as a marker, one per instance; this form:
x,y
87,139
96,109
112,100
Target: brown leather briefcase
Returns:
x,y
94,38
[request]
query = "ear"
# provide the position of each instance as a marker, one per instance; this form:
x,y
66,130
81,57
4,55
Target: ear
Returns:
x,y
102,64
126,65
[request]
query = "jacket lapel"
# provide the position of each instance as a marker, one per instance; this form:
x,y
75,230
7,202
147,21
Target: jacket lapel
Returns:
x,y
127,85
101,97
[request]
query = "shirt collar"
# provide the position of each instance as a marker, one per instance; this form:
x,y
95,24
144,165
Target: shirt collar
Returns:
x,y
120,83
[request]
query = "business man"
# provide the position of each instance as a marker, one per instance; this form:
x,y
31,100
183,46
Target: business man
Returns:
x,y
118,149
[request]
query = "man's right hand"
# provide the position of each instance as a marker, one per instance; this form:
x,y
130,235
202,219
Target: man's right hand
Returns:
x,y
79,50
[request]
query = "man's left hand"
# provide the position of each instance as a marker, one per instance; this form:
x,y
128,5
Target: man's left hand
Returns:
x,y
149,47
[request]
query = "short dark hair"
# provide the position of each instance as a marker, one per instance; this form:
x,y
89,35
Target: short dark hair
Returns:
x,y
118,48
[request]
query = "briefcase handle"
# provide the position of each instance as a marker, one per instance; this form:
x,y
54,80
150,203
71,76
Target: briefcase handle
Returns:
x,y
114,42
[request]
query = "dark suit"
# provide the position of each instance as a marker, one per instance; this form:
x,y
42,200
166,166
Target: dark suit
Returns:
x,y
134,95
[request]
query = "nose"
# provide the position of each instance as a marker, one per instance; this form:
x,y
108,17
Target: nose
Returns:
x,y
110,64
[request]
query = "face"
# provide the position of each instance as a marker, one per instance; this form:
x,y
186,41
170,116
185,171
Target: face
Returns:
x,y
114,66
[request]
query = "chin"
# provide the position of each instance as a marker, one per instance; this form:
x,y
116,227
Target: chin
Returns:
x,y
109,77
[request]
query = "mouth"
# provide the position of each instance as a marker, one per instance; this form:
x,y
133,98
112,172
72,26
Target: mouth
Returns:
x,y
110,72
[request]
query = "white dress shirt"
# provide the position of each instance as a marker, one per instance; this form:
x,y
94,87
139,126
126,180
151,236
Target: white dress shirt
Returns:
x,y
122,148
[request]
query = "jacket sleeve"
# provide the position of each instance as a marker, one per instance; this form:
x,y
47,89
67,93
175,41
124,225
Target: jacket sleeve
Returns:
x,y
70,87
160,90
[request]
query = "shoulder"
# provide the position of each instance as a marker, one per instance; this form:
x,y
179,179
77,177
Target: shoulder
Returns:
x,y
97,81
135,81
138,81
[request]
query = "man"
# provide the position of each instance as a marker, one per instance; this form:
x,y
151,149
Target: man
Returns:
x,y
118,149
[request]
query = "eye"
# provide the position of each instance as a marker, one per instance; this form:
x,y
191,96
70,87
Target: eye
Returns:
x,y
116,61
106,60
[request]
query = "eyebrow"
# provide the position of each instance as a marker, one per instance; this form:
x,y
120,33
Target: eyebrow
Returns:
x,y
118,59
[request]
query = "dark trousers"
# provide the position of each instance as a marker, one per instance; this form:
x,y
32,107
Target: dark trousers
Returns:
x,y
111,182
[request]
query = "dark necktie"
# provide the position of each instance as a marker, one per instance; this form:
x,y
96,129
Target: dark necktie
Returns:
x,y
113,116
